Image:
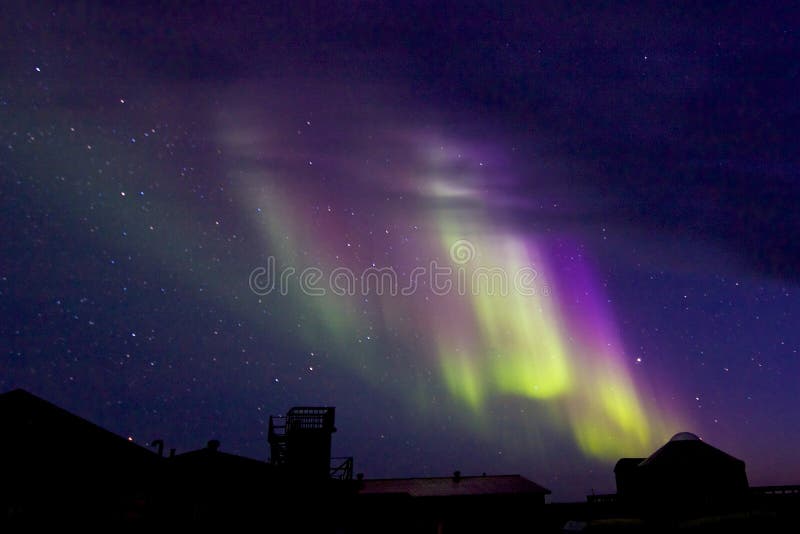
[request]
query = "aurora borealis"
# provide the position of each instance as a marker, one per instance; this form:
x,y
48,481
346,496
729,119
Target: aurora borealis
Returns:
x,y
482,336
607,197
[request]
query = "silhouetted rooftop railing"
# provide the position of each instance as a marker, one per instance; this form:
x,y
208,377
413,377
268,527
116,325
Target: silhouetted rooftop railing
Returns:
x,y
300,428
606,498
775,490
277,439
310,418
342,468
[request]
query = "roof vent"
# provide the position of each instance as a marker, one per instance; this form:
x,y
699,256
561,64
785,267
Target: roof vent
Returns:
x,y
158,444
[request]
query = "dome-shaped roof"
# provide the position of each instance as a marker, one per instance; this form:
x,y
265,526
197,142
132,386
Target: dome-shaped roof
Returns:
x,y
685,436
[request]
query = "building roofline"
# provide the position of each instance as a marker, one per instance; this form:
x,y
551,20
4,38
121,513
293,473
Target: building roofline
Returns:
x,y
28,396
461,478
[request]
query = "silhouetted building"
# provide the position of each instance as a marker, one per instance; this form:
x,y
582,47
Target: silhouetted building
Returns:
x,y
211,487
625,472
60,468
300,443
208,486
505,503
686,475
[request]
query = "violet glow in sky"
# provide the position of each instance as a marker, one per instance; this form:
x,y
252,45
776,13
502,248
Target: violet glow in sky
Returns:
x,y
474,338
644,165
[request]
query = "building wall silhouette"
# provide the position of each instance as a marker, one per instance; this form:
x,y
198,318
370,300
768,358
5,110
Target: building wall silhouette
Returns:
x,y
685,476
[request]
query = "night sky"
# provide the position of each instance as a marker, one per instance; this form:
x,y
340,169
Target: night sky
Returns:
x,y
636,165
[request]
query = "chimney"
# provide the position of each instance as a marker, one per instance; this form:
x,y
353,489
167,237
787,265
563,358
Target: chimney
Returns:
x,y
160,444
